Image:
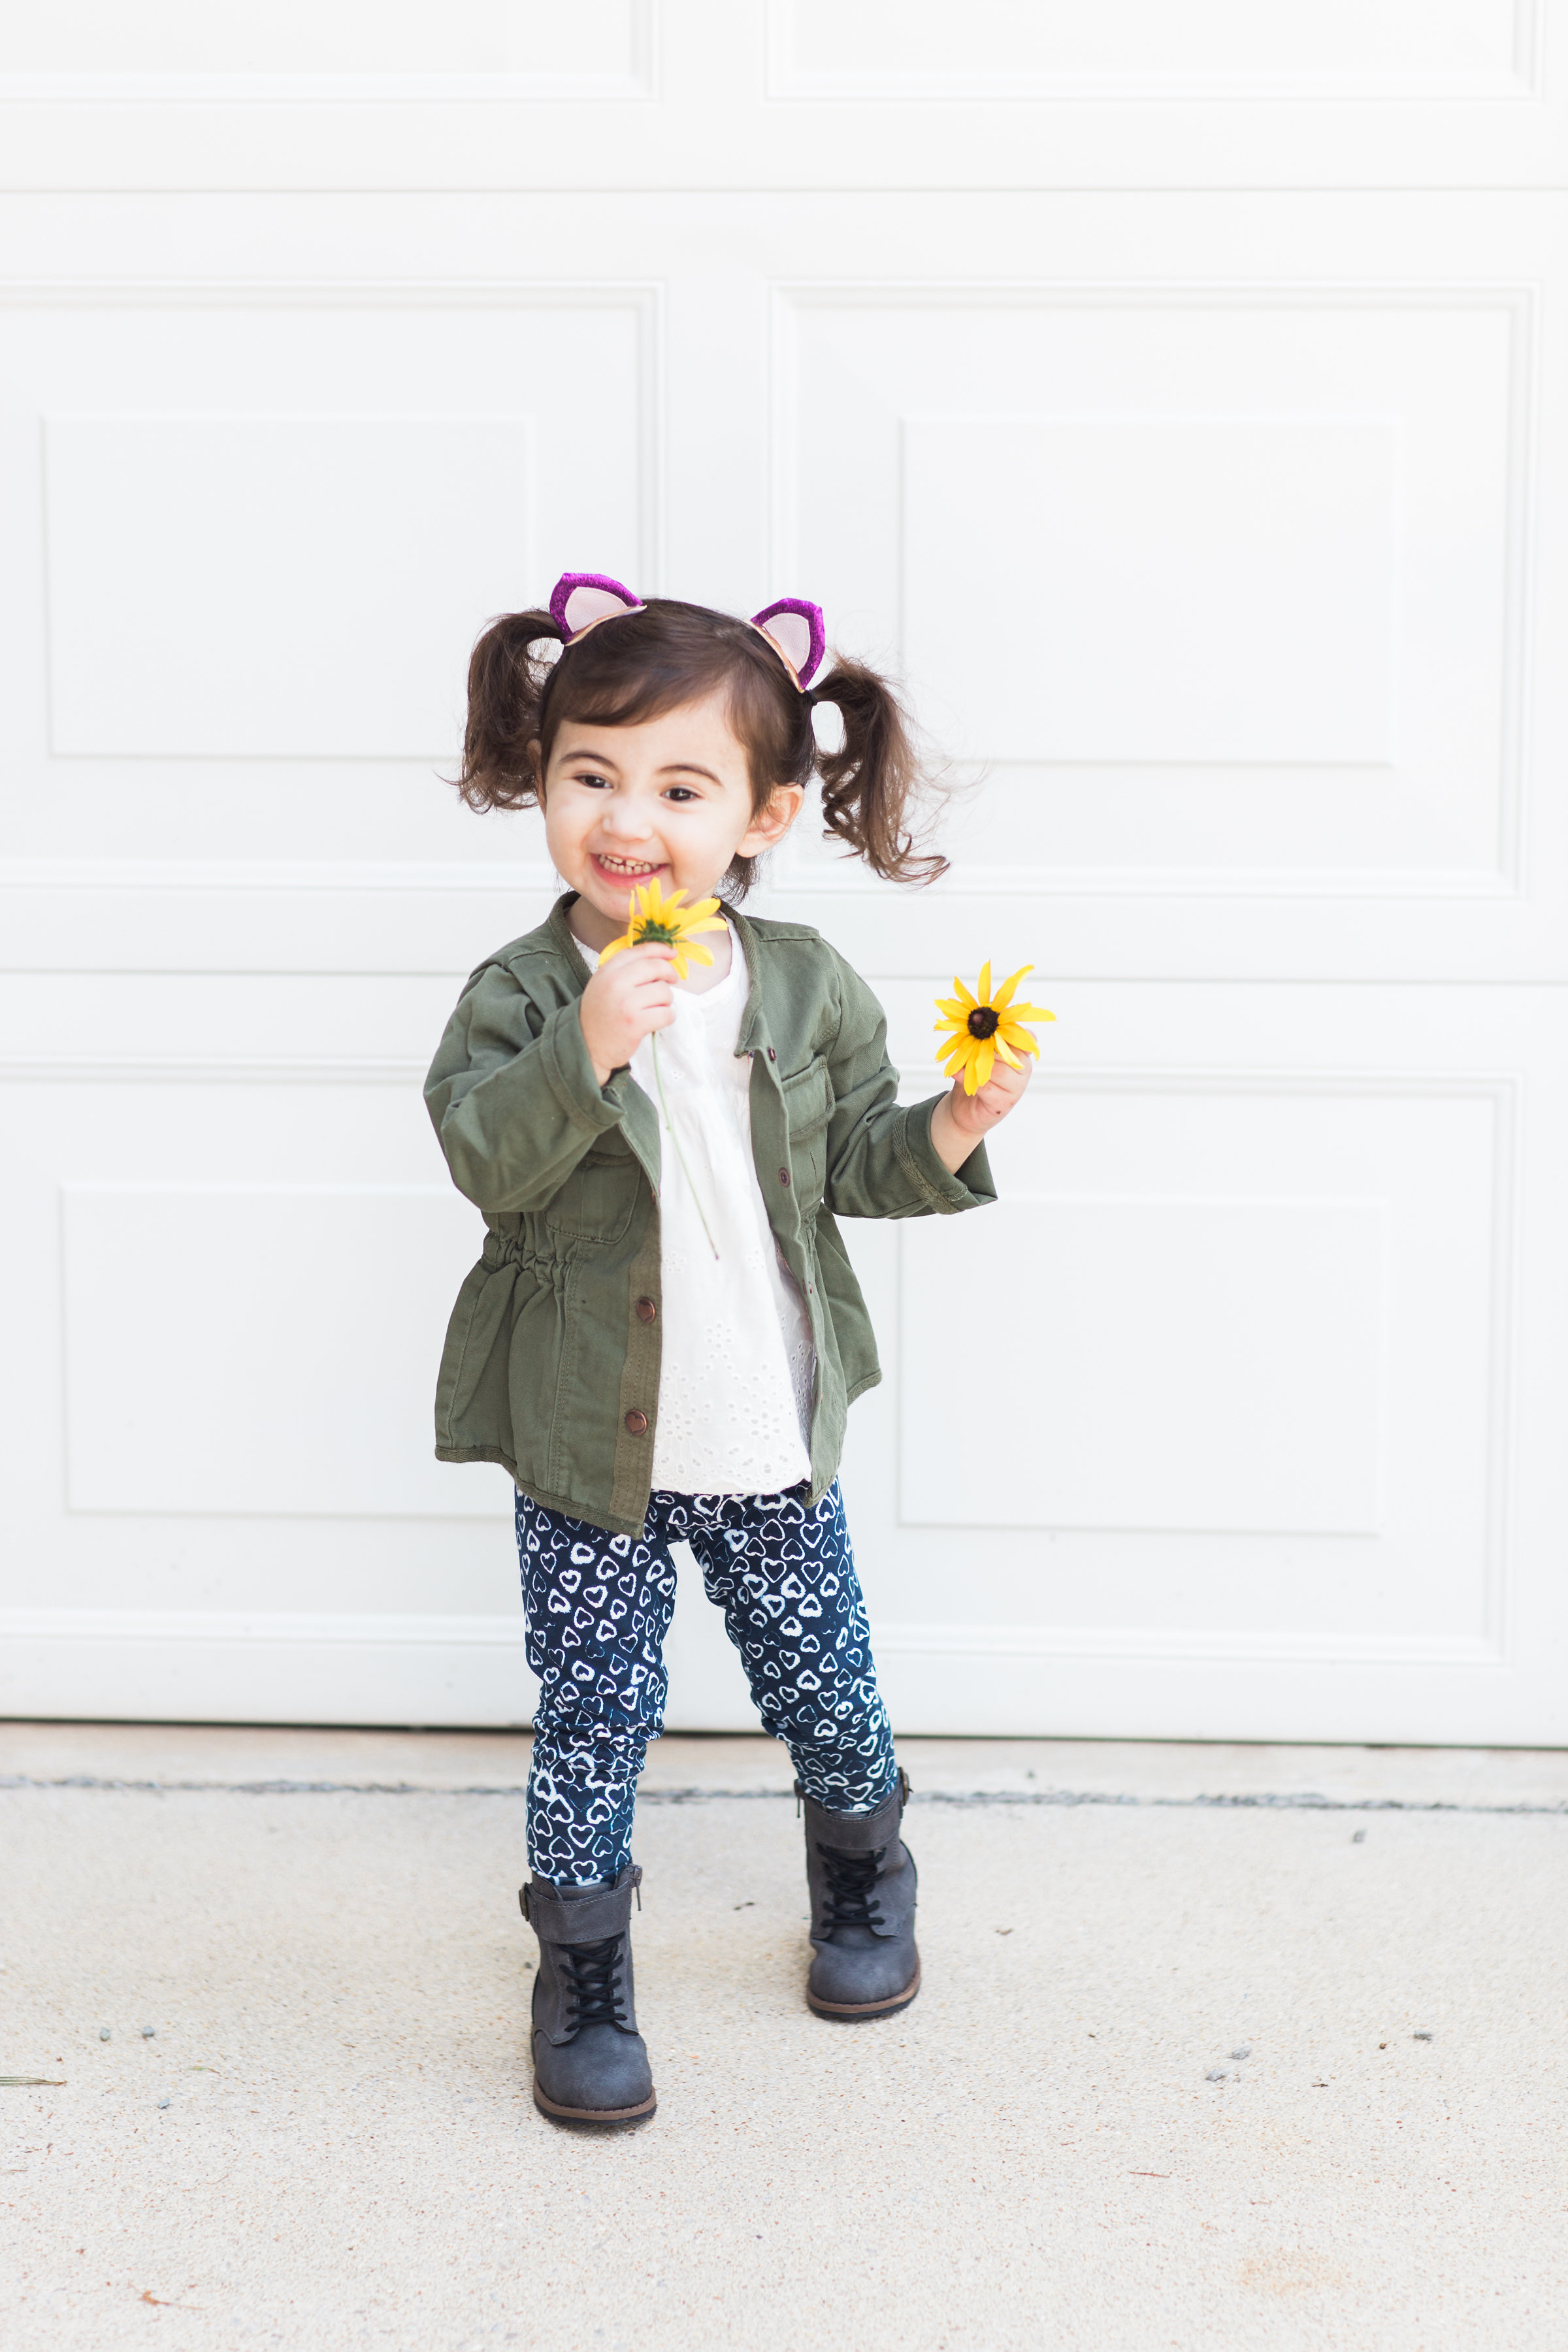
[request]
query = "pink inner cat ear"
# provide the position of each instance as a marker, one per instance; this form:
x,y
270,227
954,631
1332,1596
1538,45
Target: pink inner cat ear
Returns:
x,y
796,627
580,598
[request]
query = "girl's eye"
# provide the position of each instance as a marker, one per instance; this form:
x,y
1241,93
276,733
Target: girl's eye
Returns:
x,y
681,792
599,783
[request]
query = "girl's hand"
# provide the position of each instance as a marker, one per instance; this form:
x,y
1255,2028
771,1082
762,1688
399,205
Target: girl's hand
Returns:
x,y
624,1002
959,1121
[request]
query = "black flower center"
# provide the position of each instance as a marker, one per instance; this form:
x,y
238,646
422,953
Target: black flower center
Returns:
x,y
985,1020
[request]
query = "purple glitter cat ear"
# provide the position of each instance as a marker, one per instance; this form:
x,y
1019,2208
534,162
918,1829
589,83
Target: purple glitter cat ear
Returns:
x,y
794,629
580,598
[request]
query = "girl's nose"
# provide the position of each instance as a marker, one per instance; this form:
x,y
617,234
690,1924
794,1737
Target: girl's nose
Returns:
x,y
625,824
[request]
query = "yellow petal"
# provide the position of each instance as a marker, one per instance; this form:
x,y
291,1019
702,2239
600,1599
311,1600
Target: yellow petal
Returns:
x,y
616,946
1005,1054
1004,995
985,1060
1024,1039
949,1007
960,1060
986,983
963,994
693,953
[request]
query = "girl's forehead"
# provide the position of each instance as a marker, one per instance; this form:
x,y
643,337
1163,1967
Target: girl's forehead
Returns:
x,y
700,729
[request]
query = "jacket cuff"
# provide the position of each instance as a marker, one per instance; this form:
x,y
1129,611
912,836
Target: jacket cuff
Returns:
x,y
570,1071
971,1188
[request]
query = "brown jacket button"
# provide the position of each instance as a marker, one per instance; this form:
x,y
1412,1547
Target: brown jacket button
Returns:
x,y
646,1310
784,1175
771,1055
636,1422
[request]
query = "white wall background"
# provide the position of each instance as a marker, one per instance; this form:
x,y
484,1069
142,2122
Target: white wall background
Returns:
x,y
1176,397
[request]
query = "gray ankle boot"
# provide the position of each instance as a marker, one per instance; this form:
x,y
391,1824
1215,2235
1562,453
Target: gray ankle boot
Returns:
x,y
590,2062
861,1879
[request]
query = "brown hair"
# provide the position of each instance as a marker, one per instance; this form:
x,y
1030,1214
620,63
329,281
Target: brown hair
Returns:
x,y
640,664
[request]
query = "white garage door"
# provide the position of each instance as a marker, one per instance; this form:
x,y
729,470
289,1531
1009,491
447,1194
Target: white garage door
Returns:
x,y
1178,396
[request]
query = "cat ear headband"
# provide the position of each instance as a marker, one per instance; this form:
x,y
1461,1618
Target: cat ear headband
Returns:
x,y
581,600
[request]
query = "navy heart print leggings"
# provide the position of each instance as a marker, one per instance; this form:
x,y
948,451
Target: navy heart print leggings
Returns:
x,y
599,1607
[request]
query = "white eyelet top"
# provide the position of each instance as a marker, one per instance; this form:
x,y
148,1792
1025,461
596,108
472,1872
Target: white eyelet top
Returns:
x,y
737,1366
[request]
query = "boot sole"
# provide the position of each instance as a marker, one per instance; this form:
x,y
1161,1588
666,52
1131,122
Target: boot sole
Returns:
x,y
604,2118
855,2012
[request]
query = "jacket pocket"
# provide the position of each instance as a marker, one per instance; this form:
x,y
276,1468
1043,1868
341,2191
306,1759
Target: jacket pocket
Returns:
x,y
807,1106
596,1201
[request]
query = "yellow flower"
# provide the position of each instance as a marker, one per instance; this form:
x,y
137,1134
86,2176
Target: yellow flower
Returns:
x,y
974,1029
668,923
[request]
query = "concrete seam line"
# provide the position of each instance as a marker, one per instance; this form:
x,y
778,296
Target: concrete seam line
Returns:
x,y
1305,1801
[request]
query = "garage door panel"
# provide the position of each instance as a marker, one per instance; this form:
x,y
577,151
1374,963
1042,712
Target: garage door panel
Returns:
x,y
1138,49
1246,1368
230,1290
270,599
732,94
1244,1314
260,1350
1239,586
259,48
240,597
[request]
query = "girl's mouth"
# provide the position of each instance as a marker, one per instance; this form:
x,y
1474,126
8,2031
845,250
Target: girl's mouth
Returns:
x,y
623,872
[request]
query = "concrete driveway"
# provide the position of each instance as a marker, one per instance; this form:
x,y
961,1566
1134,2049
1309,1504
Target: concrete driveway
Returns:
x,y
1242,2047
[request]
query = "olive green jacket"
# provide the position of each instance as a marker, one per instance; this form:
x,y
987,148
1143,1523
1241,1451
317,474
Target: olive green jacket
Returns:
x,y
551,1362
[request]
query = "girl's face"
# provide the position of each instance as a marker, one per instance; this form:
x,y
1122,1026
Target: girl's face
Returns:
x,y
669,801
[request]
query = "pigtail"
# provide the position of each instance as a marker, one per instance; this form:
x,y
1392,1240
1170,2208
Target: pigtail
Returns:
x,y
871,788
507,683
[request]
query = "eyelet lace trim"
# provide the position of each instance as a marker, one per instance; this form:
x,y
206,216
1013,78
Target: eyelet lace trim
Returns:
x,y
738,1370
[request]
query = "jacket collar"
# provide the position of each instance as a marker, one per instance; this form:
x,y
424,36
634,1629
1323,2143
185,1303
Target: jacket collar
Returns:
x,y
754,1020
562,937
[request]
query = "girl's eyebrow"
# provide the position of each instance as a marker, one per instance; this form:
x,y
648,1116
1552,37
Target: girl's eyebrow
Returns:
x,y
690,768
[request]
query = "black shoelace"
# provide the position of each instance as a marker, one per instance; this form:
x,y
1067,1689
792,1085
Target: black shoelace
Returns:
x,y
851,1880
594,1982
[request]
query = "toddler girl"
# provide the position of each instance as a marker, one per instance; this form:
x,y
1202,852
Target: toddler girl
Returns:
x,y
663,1335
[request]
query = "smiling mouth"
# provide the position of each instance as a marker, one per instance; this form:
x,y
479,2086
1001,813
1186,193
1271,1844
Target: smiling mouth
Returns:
x,y
627,869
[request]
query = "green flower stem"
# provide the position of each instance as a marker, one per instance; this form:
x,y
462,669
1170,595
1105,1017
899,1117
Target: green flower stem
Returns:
x,y
669,1123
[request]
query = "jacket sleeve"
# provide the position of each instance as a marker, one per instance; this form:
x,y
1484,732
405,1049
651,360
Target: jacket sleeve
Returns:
x,y
512,1095
880,1163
